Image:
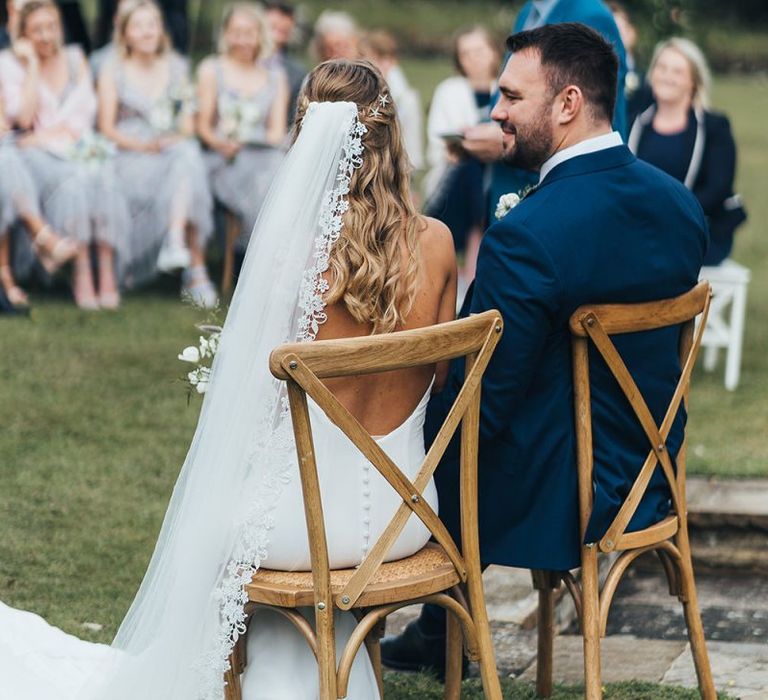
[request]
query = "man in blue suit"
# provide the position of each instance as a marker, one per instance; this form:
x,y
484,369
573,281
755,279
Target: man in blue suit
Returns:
x,y
600,226
484,142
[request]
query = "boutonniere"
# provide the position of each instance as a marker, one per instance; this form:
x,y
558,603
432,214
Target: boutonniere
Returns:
x,y
507,202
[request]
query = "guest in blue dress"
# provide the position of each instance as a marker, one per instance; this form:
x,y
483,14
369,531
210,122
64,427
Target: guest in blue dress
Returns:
x,y
681,136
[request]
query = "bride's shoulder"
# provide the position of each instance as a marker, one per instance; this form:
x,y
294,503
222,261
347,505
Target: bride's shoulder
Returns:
x,y
435,239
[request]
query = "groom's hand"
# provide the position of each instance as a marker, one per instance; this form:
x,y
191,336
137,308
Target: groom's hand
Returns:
x,y
484,142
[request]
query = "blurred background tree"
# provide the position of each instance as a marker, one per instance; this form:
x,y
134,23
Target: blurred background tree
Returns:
x,y
733,34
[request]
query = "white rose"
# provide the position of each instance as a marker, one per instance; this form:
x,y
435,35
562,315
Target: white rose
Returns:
x,y
190,354
506,203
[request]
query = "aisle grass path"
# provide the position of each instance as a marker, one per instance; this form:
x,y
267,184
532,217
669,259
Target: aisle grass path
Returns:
x,y
94,424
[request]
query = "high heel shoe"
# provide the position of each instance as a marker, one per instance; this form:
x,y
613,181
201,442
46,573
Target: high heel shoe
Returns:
x,y
53,251
16,296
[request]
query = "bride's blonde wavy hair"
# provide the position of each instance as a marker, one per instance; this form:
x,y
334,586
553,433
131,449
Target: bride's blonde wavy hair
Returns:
x,y
368,271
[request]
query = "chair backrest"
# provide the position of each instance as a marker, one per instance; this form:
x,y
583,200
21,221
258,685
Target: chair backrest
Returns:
x,y
304,365
597,323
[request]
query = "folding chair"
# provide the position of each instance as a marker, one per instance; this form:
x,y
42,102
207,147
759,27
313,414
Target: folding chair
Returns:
x,y
440,573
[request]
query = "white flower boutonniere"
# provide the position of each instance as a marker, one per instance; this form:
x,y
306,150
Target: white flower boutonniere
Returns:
x,y
507,202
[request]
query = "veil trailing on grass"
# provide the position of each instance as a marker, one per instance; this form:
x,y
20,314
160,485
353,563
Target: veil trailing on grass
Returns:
x,y
176,638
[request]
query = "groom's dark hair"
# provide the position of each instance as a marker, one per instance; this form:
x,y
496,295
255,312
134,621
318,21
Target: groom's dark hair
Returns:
x,y
573,54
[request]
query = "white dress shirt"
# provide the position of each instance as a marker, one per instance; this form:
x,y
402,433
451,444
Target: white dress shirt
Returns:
x,y
596,143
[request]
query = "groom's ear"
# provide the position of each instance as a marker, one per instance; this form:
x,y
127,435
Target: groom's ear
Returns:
x,y
571,104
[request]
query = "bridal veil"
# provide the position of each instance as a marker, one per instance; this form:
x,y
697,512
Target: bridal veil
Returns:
x,y
176,638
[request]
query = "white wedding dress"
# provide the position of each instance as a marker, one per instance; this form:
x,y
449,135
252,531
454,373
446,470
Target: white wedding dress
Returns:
x,y
40,662
237,502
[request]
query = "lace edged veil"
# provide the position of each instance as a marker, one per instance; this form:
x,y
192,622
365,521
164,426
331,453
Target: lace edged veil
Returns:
x,y
175,640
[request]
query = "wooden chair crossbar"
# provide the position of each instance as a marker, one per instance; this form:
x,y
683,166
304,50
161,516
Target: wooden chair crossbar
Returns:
x,y
669,538
446,572
657,435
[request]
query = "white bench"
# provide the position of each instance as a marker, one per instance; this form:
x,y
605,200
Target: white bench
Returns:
x,y
725,326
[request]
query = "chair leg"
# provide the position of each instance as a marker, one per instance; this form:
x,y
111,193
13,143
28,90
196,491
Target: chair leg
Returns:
x,y
693,619
546,583
237,662
488,672
454,649
326,653
590,623
710,357
374,652
733,354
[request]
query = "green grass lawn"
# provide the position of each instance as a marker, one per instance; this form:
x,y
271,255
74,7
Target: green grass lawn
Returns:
x,y
401,686
95,425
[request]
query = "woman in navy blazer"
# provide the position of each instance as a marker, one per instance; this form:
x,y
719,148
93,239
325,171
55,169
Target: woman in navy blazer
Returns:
x,y
679,135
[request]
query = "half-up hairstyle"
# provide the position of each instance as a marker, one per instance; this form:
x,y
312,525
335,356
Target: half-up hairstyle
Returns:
x,y
373,265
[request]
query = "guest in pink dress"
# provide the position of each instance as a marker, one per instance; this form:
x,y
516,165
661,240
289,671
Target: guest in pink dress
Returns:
x,y
48,94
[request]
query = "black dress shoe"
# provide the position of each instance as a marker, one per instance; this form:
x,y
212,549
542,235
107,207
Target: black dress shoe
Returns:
x,y
414,651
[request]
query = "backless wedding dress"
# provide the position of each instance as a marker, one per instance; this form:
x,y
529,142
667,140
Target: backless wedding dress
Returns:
x,y
40,662
237,502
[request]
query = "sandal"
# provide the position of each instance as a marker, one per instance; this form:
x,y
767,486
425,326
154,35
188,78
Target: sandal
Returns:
x,y
53,251
16,296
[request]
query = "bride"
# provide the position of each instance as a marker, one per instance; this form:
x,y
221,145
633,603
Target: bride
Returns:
x,y
338,251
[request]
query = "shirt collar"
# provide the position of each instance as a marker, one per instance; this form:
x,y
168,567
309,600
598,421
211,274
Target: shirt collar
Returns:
x,y
596,143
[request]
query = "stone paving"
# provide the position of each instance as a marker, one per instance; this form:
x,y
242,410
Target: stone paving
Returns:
x,y
646,632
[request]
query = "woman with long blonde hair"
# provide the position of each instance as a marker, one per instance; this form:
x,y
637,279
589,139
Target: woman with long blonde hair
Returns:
x,y
146,110
338,251
242,107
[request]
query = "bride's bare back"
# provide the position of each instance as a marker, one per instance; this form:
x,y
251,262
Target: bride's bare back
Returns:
x,y
381,402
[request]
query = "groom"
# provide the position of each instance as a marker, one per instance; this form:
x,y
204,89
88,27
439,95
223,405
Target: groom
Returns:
x,y
600,226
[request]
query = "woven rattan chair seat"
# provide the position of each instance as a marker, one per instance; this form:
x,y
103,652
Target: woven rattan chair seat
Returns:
x,y
428,571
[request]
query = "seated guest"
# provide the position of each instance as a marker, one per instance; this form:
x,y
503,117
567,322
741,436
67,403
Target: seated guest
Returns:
x,y
380,47
454,184
19,202
242,106
336,35
281,17
581,237
100,56
145,108
48,93
683,137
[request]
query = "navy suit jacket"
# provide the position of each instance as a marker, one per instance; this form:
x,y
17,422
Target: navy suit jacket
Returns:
x,y
595,14
602,227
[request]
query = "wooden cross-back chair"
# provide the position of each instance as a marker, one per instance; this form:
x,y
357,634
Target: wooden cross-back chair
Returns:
x,y
594,325
441,573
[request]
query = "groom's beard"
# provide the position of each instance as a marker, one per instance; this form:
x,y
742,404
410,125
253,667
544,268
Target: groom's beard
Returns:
x,y
533,143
